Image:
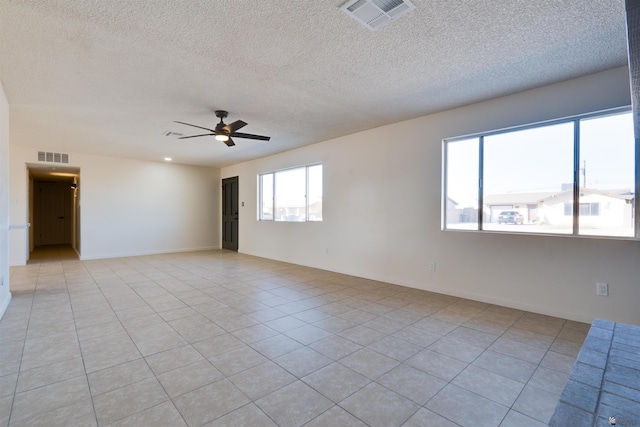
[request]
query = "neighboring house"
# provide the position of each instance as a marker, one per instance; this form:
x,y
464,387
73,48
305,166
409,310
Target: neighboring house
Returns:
x,y
611,208
296,212
453,213
597,209
457,214
528,204
315,210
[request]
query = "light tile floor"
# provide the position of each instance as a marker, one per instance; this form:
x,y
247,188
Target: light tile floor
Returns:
x,y
219,338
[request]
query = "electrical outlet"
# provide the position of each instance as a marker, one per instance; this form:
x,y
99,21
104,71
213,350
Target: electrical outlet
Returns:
x,y
432,266
602,289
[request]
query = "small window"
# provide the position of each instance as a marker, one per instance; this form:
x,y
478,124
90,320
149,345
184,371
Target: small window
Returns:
x,y
291,195
586,209
589,209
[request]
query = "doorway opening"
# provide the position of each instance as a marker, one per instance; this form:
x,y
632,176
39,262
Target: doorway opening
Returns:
x,y
54,211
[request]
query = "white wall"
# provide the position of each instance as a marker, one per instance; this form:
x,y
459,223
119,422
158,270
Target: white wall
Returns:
x,y
382,204
129,207
5,295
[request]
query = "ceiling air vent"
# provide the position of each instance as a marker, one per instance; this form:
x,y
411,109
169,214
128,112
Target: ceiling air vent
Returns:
x,y
172,133
45,156
375,14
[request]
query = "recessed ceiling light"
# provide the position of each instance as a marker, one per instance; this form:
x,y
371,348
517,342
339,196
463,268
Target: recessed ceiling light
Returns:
x,y
167,159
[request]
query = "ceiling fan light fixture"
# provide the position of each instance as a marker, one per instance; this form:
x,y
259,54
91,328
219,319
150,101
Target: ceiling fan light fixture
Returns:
x,y
224,132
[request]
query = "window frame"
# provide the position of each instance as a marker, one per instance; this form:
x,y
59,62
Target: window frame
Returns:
x,y
575,119
274,206
261,196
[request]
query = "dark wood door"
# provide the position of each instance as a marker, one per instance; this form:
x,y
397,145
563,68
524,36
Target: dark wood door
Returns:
x,y
230,213
52,213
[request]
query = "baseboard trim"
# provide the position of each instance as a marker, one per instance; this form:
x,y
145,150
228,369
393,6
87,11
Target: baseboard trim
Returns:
x,y
126,255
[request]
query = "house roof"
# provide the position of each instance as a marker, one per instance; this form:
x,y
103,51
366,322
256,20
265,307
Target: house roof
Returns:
x,y
547,196
111,77
614,194
517,198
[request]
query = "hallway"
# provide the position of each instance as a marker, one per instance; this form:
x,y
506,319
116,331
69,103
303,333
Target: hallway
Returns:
x,y
53,253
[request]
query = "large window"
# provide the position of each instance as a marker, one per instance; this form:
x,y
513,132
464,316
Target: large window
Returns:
x,y
291,194
573,176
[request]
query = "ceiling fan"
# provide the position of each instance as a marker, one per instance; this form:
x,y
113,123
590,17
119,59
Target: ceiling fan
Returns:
x,y
224,132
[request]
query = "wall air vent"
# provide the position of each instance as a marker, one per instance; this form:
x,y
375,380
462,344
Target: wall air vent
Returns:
x,y
48,157
375,14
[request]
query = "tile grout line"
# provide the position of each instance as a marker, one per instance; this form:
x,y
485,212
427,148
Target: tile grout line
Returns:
x,y
26,332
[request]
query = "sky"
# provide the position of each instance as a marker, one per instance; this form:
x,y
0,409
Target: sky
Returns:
x,y
541,159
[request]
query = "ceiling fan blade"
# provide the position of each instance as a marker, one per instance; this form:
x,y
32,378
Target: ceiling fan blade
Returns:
x,y
195,136
230,142
251,136
200,127
232,127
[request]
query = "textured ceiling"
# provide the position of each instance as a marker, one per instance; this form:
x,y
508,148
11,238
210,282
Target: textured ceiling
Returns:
x,y
110,77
